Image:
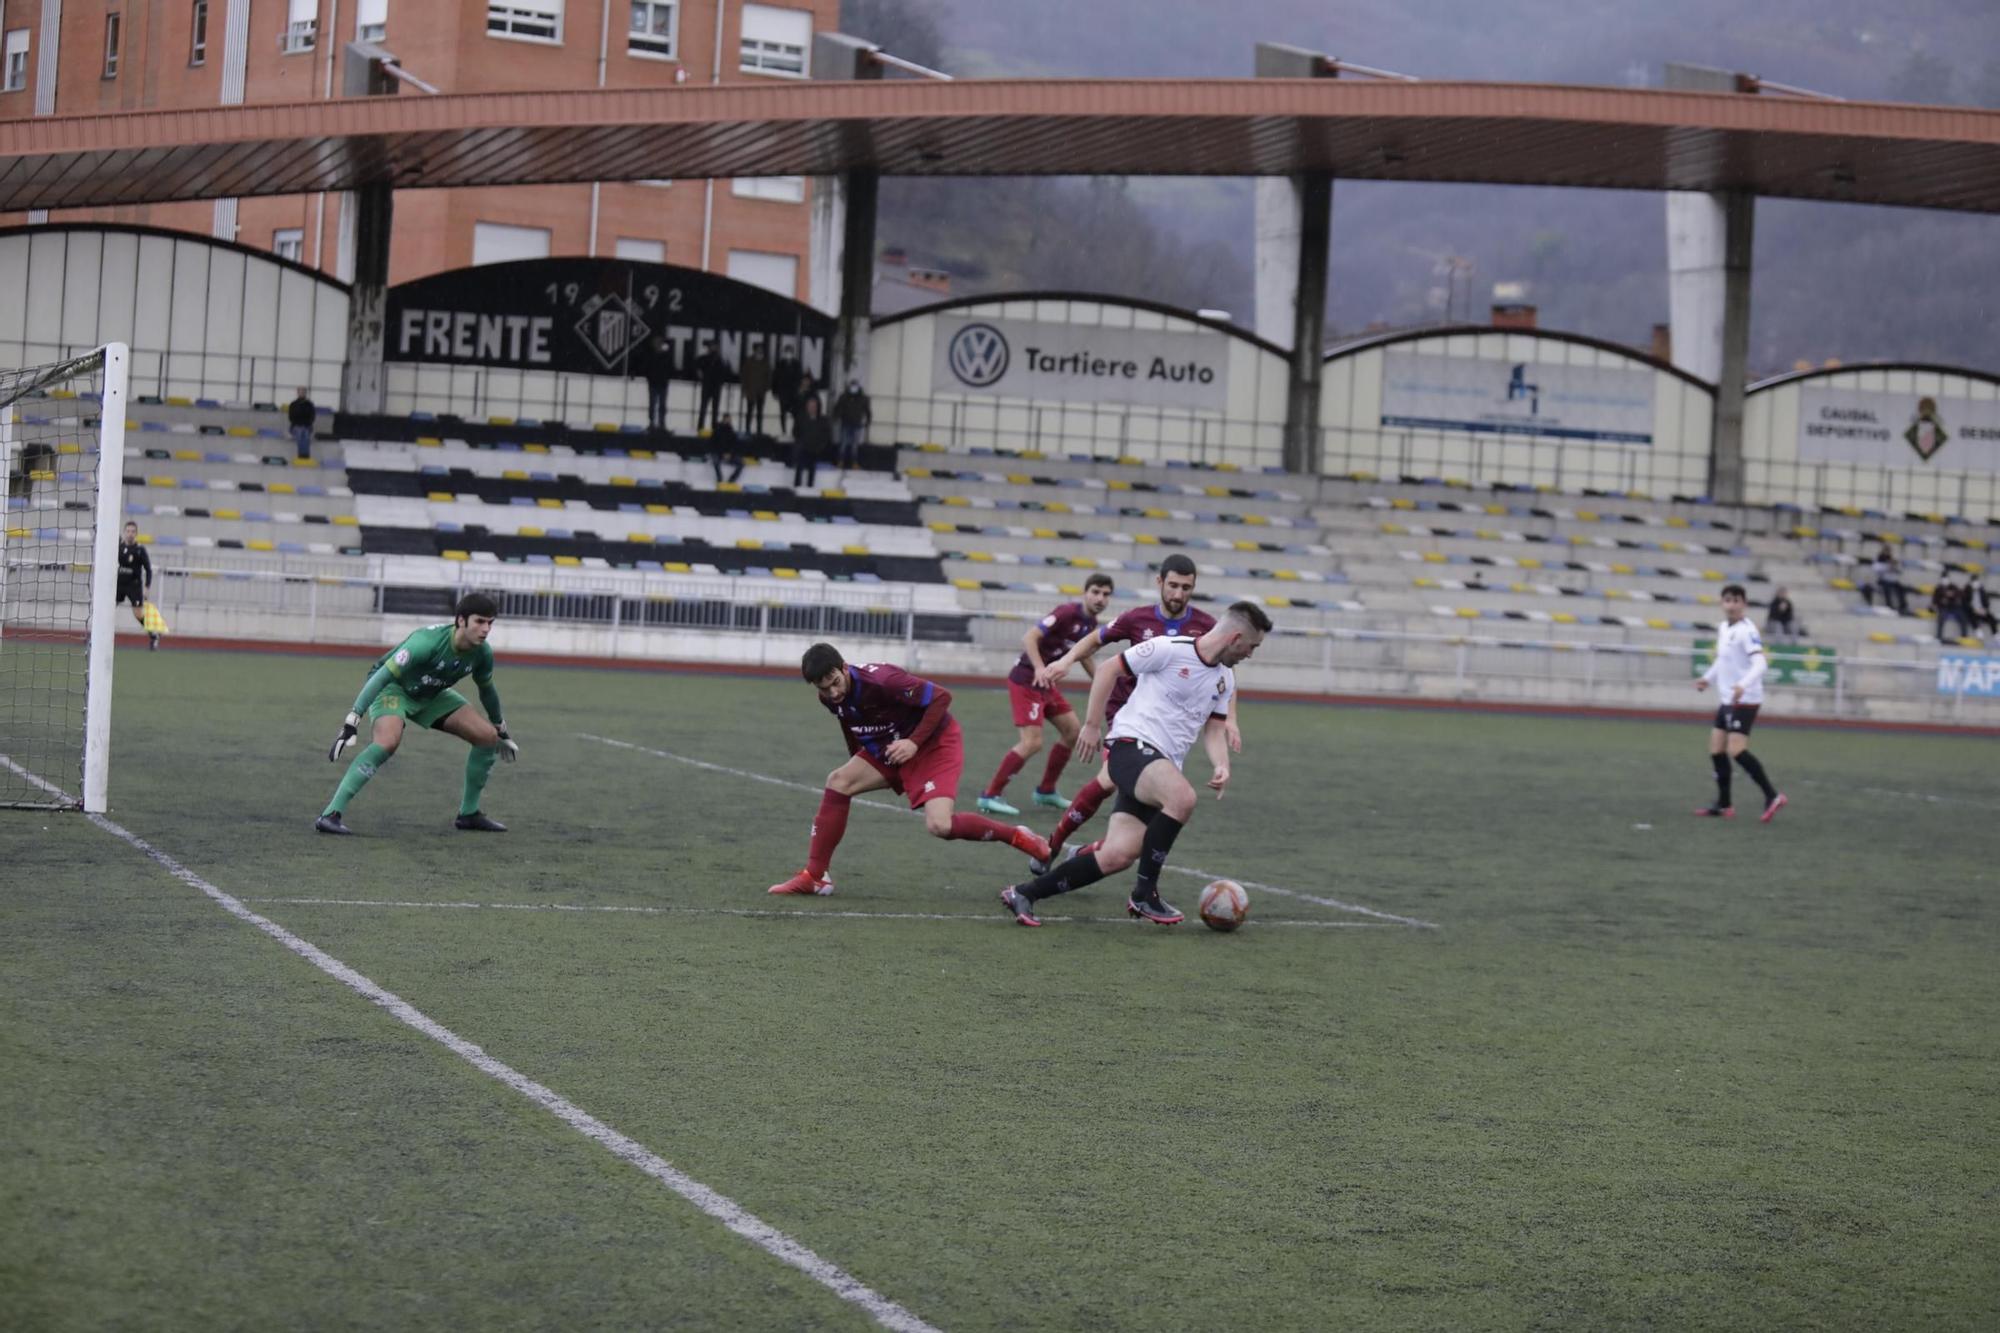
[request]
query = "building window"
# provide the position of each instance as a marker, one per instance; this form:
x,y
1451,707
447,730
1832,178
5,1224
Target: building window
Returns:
x,y
289,243
536,20
198,52
775,41
14,75
371,20
653,252
780,189
113,28
301,29
656,182
652,31
774,273
496,242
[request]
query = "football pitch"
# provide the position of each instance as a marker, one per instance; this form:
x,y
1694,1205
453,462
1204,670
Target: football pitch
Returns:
x,y
1511,1040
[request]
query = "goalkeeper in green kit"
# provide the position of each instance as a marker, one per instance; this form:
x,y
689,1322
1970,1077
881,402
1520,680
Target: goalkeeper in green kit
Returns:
x,y
411,685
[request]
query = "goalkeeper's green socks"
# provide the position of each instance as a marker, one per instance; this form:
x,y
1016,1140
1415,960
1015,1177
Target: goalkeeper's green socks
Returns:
x,y
478,768
363,768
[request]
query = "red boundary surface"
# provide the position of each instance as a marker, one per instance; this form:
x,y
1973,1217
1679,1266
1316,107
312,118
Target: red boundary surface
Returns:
x,y
995,681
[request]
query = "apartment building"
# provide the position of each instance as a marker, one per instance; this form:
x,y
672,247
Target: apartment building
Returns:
x,y
74,57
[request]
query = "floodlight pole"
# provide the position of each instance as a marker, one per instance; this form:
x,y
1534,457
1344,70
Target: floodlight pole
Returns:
x,y
843,224
1294,230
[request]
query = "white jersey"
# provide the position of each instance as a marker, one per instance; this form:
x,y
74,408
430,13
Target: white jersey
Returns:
x,y
1175,696
1739,660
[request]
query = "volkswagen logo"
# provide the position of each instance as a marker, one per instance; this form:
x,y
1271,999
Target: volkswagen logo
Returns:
x,y
978,355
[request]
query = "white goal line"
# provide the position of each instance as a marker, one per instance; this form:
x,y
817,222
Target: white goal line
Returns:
x,y
1318,900
803,912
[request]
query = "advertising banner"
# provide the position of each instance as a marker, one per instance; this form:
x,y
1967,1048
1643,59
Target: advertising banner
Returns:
x,y
1790,663
596,317
1423,391
1018,358
1969,673
1898,429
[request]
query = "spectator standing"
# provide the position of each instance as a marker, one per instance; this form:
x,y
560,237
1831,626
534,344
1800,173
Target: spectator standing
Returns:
x,y
786,376
659,372
811,436
756,378
301,413
712,372
852,415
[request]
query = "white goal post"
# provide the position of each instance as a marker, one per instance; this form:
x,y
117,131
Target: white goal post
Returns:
x,y
62,464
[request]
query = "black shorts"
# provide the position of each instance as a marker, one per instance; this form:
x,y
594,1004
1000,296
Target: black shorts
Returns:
x,y
1127,759
131,589
1737,719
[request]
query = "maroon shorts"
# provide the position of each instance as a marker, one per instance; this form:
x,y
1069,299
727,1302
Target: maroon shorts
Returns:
x,y
932,771
1033,706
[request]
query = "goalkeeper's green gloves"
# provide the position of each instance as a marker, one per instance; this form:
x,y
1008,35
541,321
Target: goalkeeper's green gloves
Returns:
x,y
348,728
508,750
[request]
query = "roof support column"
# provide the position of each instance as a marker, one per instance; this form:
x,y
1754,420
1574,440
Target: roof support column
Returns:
x,y
1294,228
362,386
362,379
843,225
1709,240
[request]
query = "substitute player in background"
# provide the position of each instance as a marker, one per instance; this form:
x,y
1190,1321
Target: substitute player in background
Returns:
x,y
1174,615
135,579
1183,687
1051,636
411,685
901,735
1738,676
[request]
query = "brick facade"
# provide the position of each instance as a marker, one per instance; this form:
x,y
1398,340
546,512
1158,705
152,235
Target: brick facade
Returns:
x,y
447,44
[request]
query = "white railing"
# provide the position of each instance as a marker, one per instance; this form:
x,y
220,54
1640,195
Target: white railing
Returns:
x,y
622,613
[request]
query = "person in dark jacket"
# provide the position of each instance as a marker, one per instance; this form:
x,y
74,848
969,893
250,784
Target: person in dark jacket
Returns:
x,y
786,376
756,381
302,414
1781,618
811,437
713,372
725,448
851,416
659,372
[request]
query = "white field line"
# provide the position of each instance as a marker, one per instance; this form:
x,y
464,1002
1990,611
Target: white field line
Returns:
x,y
1318,900
723,1209
43,783
1930,798
777,913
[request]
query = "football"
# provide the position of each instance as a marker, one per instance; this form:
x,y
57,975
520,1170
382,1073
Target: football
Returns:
x,y
1224,905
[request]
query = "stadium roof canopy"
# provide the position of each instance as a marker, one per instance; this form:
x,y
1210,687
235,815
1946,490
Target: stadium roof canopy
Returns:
x,y
1522,134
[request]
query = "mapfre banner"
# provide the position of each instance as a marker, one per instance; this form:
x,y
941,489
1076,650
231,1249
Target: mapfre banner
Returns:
x,y
1018,358
1898,430
1421,391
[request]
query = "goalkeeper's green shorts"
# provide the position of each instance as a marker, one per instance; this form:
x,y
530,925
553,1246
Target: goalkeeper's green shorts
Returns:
x,y
392,702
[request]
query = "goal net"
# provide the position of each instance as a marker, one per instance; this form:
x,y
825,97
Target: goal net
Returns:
x,y
62,455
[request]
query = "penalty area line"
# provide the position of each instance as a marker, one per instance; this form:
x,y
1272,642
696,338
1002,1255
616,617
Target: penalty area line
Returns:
x,y
720,1207
775,913
1318,900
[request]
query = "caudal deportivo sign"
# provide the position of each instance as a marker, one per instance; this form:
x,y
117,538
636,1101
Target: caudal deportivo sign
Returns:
x,y
1878,429
1019,358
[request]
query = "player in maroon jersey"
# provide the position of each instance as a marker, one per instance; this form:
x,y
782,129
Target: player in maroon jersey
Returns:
x,y
901,735
1051,636
1174,615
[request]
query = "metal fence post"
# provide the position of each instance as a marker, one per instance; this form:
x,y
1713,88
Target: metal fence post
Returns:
x,y
312,611
1464,652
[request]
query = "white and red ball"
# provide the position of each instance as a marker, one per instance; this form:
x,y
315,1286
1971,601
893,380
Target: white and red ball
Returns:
x,y
1224,905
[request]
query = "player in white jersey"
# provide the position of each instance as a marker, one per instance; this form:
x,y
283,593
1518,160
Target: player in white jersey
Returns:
x,y
1182,694
1738,676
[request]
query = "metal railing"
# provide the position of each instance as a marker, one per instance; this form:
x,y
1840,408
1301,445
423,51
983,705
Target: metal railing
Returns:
x,y
619,614
226,376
